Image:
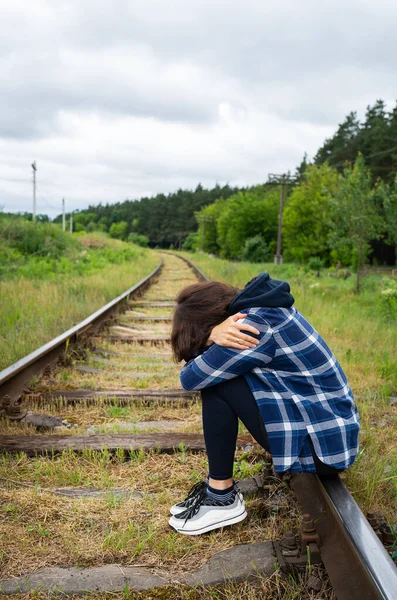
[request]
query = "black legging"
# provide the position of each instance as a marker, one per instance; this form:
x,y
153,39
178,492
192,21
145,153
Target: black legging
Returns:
x,y
223,405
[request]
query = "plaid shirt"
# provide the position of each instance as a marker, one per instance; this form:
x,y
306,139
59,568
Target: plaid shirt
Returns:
x,y
298,384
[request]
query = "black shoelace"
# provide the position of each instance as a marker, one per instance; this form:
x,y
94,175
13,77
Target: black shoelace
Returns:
x,y
193,509
196,489
199,500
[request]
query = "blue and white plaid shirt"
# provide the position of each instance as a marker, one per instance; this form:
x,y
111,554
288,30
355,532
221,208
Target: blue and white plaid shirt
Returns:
x,y
298,384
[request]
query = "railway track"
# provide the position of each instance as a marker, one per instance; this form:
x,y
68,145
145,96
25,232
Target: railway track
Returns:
x,y
107,391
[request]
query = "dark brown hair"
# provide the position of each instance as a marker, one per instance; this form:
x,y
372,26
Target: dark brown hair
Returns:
x,y
200,307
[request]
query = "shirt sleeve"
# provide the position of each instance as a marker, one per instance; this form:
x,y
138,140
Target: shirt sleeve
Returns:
x,y
218,364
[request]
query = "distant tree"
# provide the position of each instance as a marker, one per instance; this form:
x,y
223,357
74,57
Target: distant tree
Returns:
x,y
255,250
191,243
247,214
207,219
306,218
355,213
375,141
164,219
119,230
138,239
390,214
301,170
343,146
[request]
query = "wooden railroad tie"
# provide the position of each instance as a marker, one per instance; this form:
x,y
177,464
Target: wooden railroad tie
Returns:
x,y
152,304
113,363
130,314
93,371
137,338
36,445
118,397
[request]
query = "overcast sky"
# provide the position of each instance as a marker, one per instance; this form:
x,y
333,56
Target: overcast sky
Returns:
x,y
124,98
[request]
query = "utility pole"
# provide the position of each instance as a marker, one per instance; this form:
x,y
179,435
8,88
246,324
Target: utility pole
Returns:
x,y
281,180
71,222
34,191
203,219
63,215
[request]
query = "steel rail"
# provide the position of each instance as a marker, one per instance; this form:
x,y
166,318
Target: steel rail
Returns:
x,y
15,378
356,561
358,565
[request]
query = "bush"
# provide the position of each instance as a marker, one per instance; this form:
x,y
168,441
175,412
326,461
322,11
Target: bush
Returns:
x,y
388,298
39,239
138,239
255,250
191,243
119,230
315,263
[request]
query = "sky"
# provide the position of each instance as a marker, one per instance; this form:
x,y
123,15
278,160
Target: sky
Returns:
x,y
124,99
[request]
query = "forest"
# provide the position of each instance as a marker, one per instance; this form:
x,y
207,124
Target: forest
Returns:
x,y
342,207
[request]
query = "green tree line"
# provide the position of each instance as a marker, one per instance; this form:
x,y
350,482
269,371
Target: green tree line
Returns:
x,y
242,223
329,218
161,220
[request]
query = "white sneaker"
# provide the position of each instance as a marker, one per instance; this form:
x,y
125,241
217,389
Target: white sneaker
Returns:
x,y
206,514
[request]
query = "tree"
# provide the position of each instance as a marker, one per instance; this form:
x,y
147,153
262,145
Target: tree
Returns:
x,y
119,230
138,239
207,219
255,250
247,214
390,215
355,213
307,216
343,146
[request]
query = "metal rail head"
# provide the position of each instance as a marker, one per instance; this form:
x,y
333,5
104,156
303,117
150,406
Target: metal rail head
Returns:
x,y
358,565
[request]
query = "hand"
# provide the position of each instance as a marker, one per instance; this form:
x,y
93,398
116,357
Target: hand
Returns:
x,y
229,334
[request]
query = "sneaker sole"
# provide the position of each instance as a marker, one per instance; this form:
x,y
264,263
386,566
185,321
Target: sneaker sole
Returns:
x,y
219,525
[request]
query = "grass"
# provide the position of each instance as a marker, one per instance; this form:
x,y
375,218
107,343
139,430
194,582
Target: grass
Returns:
x,y
97,531
34,311
364,340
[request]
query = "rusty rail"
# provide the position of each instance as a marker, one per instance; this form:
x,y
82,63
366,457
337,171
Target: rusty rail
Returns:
x,y
358,565
14,379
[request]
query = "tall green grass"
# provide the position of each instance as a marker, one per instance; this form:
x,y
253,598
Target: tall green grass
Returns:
x,y
49,281
44,251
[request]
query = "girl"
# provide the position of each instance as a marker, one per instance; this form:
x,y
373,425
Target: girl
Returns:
x,y
267,366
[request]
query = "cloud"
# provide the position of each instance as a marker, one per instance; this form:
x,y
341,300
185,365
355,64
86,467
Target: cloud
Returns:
x,y
127,98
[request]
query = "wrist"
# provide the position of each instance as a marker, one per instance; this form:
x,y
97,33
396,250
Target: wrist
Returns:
x,y
210,340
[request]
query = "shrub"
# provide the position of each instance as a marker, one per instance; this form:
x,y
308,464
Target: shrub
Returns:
x,y
315,263
139,239
388,298
191,243
255,250
39,239
119,230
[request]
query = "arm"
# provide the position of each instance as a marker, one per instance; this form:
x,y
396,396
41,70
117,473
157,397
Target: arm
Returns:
x,y
218,364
